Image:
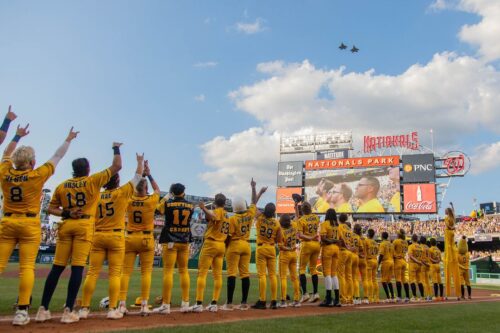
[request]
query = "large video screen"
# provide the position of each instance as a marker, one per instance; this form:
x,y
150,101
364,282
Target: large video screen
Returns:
x,y
356,190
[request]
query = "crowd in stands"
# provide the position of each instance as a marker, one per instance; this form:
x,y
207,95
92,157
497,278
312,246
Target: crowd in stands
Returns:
x,y
482,254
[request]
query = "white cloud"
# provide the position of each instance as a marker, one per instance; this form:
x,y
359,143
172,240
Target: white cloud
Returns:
x,y
200,98
486,158
206,64
252,27
439,5
209,20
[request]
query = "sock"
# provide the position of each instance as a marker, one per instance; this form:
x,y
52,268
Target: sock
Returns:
x,y
328,298
391,289
436,289
398,288
199,303
337,296
386,290
231,283
335,282
303,283
414,289
421,289
328,283
25,307
51,284
245,287
315,283
407,290
75,281
462,289
214,302
441,290
469,290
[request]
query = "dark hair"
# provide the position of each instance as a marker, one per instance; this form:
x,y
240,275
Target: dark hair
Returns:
x,y
374,182
81,167
433,241
343,218
285,220
385,235
113,182
306,208
331,215
370,233
402,234
422,240
328,185
357,229
177,189
269,210
414,238
220,200
348,224
346,191
140,184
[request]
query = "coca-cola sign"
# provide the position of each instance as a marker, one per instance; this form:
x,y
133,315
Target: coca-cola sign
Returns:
x,y
419,198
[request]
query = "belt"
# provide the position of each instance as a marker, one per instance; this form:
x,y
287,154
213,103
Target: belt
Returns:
x,y
145,232
16,214
111,230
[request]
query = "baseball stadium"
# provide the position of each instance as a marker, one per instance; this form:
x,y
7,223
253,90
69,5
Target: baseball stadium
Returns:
x,y
217,166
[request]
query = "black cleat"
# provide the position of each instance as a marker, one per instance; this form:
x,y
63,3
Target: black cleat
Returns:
x,y
260,305
273,305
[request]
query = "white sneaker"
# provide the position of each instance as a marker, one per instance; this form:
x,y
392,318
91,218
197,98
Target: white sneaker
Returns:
x,y
145,310
114,314
244,307
227,307
42,315
185,307
21,318
212,308
365,301
282,304
399,300
314,298
197,308
296,304
83,313
123,308
304,298
162,309
69,317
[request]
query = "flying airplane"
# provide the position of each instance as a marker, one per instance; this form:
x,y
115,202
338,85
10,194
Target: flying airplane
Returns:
x,y
343,46
354,49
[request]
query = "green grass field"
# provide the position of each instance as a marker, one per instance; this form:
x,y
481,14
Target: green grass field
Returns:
x,y
478,317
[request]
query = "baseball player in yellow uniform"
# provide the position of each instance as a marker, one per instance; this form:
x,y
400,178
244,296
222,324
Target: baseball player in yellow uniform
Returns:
x,y
345,265
435,260
330,253
463,265
175,237
415,268
109,240
386,261
371,266
426,268
212,252
268,235
308,225
288,259
450,254
75,200
139,239
22,186
400,265
356,240
363,264
238,250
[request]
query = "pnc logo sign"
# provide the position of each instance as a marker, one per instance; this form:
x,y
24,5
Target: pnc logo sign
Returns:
x,y
418,168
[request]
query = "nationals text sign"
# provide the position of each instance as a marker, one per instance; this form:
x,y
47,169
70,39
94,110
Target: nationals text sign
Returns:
x,y
408,141
358,162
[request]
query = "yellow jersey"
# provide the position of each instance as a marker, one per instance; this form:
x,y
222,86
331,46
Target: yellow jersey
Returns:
x,y
241,223
345,234
425,253
371,249
22,189
435,254
267,230
415,251
112,207
362,249
289,236
355,243
218,229
449,223
344,208
309,225
372,206
141,212
327,230
386,250
396,202
320,206
81,193
400,248
464,260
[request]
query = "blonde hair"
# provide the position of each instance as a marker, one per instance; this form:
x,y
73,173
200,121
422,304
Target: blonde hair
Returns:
x,y
22,157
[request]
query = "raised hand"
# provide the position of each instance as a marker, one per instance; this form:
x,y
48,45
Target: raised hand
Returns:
x,y
263,189
117,144
10,115
139,157
253,183
72,134
22,131
147,171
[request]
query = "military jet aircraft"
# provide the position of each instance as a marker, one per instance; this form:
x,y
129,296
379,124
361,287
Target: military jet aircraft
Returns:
x,y
354,49
342,46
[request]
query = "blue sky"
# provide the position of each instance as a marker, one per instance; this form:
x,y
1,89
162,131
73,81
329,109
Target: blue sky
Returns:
x,y
189,82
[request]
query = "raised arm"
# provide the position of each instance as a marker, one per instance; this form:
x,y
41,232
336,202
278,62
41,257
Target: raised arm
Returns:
x,y
117,159
20,132
147,172
9,117
139,170
61,151
210,216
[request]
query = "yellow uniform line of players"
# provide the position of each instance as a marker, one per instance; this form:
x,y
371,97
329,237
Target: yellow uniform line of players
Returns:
x,y
93,207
